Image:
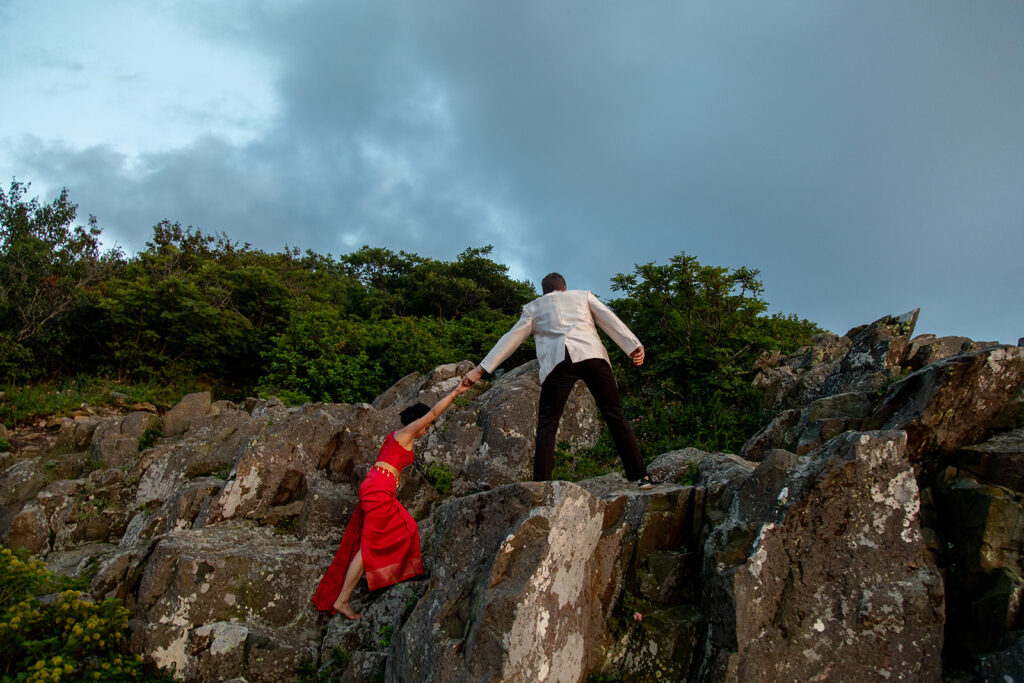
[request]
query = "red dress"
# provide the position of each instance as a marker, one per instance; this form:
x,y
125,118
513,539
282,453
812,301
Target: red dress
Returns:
x,y
381,527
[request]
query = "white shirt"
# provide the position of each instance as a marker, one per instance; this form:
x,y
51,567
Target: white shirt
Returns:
x,y
563,321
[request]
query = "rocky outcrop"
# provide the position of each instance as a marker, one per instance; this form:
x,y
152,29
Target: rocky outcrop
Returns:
x,y
872,530
820,568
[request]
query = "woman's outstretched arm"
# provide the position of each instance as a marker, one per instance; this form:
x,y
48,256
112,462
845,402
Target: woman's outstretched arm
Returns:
x,y
408,433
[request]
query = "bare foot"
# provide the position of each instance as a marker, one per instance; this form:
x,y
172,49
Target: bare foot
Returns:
x,y
346,609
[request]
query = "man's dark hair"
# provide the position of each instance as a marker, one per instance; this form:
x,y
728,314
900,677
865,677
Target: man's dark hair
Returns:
x,y
413,413
551,282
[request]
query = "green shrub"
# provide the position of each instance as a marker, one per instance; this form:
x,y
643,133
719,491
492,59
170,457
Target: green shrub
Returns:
x,y
70,638
440,478
150,436
5,445
691,475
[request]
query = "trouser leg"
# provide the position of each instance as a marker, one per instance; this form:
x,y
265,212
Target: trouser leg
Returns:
x,y
601,382
554,392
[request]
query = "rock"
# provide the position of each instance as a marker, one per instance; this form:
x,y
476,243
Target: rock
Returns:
x,y
927,349
983,526
526,579
76,434
275,468
115,441
999,461
792,381
783,429
508,420
428,389
507,597
834,582
195,584
678,467
949,404
876,354
358,650
29,530
189,407
76,561
20,483
1005,665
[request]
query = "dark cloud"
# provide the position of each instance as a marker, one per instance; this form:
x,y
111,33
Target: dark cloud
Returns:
x,y
865,157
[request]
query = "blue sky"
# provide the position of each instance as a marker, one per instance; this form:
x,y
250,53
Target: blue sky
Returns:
x,y
866,157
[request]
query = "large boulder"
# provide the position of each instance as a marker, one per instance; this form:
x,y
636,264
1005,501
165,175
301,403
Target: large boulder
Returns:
x,y
983,533
999,460
508,424
542,581
228,600
952,403
791,381
820,572
191,406
510,590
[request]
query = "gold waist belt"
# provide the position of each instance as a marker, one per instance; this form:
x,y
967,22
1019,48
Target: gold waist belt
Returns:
x,y
387,468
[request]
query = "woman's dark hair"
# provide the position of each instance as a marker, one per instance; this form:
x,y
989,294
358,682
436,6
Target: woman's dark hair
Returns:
x,y
413,413
551,282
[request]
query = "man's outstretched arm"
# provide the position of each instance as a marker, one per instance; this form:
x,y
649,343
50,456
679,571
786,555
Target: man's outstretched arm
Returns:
x,y
616,329
509,342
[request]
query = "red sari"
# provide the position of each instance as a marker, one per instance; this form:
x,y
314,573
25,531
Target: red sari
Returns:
x,y
381,527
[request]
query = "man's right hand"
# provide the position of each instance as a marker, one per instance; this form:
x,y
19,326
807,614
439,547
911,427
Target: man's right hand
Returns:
x,y
473,376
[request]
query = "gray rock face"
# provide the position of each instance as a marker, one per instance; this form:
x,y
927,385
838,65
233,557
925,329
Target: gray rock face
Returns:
x,y
228,600
192,406
832,579
950,404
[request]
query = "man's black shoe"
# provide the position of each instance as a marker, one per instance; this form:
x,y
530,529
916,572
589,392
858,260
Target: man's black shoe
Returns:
x,y
646,482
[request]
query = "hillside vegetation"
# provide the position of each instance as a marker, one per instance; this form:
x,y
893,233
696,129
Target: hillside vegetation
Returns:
x,y
195,310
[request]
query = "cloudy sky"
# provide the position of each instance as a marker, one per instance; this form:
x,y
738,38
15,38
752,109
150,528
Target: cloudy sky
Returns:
x,y
866,156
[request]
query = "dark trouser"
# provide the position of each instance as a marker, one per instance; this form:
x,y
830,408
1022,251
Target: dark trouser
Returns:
x,y
554,392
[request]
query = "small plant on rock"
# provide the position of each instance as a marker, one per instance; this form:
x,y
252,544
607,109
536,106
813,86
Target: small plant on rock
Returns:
x,y
150,436
440,478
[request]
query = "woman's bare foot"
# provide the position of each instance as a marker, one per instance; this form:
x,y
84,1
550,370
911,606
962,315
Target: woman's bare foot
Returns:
x,y
346,609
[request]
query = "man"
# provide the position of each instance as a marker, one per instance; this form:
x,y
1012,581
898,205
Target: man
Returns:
x,y
564,326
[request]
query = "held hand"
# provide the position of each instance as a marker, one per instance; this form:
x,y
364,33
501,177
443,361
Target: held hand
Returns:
x,y
473,376
638,356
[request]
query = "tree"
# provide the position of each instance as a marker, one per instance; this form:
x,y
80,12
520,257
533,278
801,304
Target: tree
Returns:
x,y
46,267
703,328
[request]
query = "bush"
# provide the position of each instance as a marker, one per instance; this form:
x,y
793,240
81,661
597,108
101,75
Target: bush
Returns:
x,y
440,478
68,638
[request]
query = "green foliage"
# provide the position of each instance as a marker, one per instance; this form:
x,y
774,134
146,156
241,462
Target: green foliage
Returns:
x,y
150,436
326,356
440,477
384,636
691,475
703,327
5,445
70,638
47,268
575,464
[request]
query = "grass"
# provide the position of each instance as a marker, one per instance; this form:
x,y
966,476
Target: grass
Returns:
x,y
576,464
23,403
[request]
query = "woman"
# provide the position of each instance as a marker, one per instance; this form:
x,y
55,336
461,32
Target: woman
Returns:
x,y
382,538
